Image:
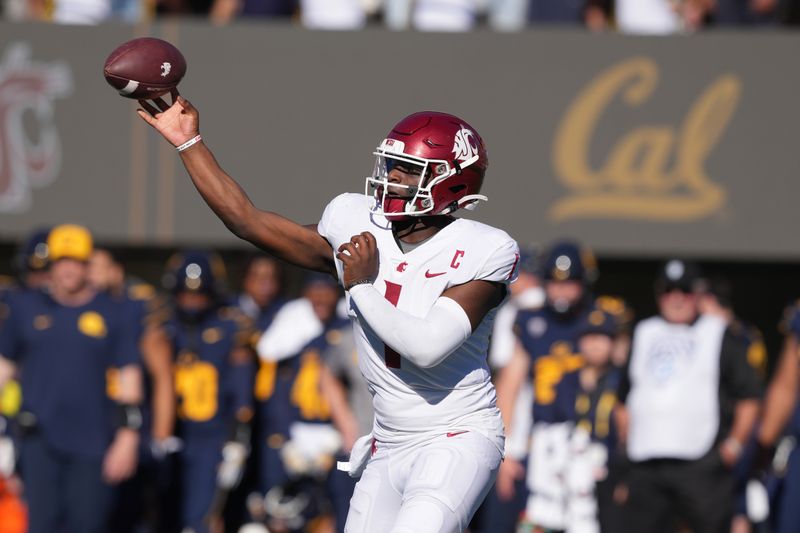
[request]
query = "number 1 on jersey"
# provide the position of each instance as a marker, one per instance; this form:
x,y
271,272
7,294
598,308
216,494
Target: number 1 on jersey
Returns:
x,y
392,294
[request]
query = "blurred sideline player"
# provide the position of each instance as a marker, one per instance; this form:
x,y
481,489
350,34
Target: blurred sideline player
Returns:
x,y
422,310
297,455
63,341
260,298
546,351
214,372
778,436
262,284
107,273
584,405
148,312
31,272
31,255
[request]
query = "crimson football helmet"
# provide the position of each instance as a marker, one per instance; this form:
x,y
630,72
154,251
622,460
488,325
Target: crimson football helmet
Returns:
x,y
447,154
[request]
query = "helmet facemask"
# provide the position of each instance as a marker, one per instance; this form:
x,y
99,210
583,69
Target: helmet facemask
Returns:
x,y
400,202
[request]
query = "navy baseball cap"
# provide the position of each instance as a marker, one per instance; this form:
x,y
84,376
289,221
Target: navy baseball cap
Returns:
x,y
677,274
597,321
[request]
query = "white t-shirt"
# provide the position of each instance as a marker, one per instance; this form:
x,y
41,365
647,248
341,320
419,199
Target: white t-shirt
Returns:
x,y
674,398
414,404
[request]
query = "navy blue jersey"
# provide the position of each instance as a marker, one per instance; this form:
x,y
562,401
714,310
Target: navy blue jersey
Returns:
x,y
589,410
205,376
63,354
550,341
288,390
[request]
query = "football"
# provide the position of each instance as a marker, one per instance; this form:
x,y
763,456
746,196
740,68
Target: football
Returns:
x,y
144,68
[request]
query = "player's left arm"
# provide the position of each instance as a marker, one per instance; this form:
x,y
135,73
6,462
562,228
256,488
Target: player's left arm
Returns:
x,y
121,458
157,358
744,385
477,298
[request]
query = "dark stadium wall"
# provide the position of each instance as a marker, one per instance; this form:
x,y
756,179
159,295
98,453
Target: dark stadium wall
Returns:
x,y
639,147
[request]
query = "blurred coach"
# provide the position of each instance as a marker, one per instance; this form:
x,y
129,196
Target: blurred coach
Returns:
x,y
75,441
691,405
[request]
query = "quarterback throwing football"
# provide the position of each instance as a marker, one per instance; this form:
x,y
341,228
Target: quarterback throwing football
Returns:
x,y
422,291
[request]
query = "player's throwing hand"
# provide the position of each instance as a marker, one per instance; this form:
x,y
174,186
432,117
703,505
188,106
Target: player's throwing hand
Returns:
x,y
179,123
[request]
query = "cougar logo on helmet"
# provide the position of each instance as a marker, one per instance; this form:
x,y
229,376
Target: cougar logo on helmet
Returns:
x,y
465,145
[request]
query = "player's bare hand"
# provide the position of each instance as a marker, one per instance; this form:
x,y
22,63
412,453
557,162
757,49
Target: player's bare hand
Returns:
x,y
510,471
121,457
178,122
359,258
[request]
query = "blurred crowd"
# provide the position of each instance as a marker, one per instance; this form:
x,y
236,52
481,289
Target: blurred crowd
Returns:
x,y
657,17
129,407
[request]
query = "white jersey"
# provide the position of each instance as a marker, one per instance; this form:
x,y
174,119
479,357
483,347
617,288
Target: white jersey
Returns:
x,y
414,404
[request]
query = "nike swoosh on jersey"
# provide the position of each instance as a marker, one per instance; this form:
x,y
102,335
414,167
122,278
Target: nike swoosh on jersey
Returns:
x,y
456,433
429,274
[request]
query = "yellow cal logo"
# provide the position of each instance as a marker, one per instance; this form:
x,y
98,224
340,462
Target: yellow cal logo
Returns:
x,y
92,324
654,172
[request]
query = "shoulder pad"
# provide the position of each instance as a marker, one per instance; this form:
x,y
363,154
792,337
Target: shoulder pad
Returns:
x,y
617,308
611,305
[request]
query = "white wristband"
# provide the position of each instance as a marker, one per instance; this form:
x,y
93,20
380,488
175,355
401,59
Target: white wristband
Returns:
x,y
191,142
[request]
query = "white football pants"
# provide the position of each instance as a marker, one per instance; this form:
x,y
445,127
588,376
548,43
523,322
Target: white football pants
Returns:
x,y
431,488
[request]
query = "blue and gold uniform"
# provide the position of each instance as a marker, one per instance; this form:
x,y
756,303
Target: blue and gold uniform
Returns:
x,y
214,372
297,452
206,386
288,391
549,336
63,353
590,410
550,340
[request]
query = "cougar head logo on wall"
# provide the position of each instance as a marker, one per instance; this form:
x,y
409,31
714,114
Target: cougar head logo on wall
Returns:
x,y
30,147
